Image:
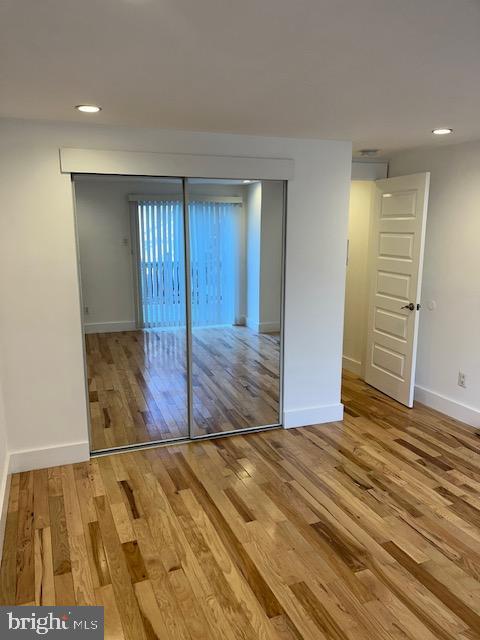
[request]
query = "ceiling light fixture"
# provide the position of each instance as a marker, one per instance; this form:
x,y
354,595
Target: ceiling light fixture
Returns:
x,y
88,108
247,181
442,131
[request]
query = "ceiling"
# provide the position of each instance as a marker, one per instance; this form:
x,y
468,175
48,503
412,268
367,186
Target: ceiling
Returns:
x,y
382,73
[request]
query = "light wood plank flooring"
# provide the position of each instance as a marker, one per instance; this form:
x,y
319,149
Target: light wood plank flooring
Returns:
x,y
361,530
138,385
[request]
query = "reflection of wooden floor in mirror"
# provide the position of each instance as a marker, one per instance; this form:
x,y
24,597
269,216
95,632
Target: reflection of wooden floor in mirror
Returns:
x,y
137,383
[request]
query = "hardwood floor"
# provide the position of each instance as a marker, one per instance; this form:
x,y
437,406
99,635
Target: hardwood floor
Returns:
x,y
138,385
363,530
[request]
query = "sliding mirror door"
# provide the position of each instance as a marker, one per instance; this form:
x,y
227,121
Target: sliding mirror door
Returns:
x,y
182,306
236,276
132,262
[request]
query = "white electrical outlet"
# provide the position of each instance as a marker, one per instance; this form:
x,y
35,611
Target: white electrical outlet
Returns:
x,y
462,382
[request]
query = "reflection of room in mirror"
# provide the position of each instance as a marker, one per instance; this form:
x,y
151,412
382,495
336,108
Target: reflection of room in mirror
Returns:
x,y
133,274
236,360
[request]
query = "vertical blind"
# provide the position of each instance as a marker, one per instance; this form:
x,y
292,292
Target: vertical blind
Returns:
x,y
162,263
214,250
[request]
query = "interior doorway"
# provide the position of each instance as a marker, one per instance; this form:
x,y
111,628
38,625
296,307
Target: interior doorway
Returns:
x,y
387,224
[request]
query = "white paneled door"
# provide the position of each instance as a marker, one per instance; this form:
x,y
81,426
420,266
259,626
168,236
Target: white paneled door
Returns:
x,y
396,261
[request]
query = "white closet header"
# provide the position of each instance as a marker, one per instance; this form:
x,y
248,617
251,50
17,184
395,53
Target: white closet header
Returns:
x,y
141,163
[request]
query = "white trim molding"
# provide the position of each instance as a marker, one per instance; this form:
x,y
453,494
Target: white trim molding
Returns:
x,y
448,406
29,459
263,327
143,163
110,327
365,170
312,415
352,365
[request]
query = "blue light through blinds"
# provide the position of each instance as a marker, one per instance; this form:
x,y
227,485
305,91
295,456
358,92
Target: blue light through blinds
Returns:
x,y
214,274
162,263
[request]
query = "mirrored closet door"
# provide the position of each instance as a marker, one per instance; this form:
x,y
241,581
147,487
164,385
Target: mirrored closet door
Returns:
x,y
131,246
236,246
181,286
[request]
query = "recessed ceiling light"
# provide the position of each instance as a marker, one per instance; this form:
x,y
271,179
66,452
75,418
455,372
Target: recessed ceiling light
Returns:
x,y
442,131
88,108
247,181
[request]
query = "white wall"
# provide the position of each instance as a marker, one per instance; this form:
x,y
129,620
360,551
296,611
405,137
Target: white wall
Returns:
x,y
254,226
264,255
41,339
271,256
357,284
449,335
104,241
41,333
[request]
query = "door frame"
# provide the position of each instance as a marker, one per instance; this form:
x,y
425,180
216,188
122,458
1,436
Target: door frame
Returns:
x,y
135,253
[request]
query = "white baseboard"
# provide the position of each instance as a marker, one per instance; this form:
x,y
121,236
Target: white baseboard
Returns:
x,y
269,327
28,459
110,327
352,365
312,415
263,327
446,405
4,495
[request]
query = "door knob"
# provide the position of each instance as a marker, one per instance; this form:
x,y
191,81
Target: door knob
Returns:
x,y
411,306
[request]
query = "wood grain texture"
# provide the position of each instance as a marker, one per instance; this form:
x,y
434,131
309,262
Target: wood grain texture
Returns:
x,y
362,530
137,383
